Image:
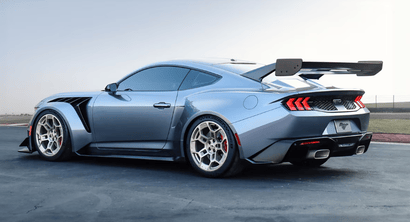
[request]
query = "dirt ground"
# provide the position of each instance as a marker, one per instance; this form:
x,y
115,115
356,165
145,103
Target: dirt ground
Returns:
x,y
12,119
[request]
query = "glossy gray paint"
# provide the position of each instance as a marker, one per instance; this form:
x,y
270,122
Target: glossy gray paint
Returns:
x,y
253,110
115,119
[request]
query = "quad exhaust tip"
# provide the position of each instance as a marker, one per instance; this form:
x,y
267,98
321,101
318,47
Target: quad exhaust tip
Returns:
x,y
360,149
318,154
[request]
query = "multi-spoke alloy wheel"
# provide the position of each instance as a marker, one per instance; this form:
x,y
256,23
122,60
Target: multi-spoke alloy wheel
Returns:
x,y
211,148
51,137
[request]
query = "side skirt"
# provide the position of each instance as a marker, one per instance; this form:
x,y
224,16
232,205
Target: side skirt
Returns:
x,y
143,154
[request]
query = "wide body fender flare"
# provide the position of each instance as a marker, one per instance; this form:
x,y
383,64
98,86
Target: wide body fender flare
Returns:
x,y
192,119
78,134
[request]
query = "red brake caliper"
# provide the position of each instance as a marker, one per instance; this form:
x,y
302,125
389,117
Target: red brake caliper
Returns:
x,y
224,146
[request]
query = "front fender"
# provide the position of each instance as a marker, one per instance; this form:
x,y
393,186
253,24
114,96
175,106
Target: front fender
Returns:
x,y
78,134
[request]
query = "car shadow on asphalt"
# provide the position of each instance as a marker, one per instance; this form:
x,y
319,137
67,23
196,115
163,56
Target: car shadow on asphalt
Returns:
x,y
284,171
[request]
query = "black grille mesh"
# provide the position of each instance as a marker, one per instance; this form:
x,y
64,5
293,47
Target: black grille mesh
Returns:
x,y
323,105
349,104
328,104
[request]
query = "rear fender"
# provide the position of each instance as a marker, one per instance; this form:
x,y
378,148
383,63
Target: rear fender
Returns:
x,y
193,118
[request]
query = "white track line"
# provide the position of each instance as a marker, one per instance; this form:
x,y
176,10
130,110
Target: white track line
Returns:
x,y
393,143
15,124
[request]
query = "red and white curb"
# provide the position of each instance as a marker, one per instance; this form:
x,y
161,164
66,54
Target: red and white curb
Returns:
x,y
14,124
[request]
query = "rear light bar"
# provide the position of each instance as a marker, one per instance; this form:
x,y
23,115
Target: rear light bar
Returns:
x,y
300,103
310,142
358,102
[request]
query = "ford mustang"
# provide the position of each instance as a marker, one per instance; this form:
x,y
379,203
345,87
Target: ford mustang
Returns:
x,y
216,114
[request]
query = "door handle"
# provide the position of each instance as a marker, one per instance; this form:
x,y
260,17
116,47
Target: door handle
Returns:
x,y
162,105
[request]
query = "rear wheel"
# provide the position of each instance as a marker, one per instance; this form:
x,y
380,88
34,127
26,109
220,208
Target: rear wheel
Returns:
x,y
51,137
309,163
211,148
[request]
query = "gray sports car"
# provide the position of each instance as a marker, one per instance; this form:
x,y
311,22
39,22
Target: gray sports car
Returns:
x,y
216,114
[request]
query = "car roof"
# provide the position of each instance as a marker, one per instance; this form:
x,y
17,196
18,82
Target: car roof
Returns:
x,y
229,68
213,64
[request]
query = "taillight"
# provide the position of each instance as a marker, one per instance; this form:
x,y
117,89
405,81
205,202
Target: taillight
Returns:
x,y
358,102
300,103
305,103
290,104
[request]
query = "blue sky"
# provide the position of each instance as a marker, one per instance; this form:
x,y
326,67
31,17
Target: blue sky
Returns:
x,y
47,47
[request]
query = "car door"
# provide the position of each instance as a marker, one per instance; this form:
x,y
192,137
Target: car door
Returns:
x,y
139,114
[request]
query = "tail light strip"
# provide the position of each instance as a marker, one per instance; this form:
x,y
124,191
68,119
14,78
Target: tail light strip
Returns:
x,y
358,102
300,104
305,103
290,104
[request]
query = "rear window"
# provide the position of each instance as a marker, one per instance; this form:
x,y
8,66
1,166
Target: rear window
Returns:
x,y
197,79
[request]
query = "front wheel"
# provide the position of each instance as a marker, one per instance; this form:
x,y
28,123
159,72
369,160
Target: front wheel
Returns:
x,y
211,148
51,137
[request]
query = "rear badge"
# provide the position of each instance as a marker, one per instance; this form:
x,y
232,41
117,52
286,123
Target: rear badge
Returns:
x,y
346,145
337,101
343,126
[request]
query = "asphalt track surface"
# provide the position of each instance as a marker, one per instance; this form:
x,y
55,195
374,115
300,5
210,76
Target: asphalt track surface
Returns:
x,y
370,187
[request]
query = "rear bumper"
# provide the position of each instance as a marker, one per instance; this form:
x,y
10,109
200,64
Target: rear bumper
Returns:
x,y
260,131
300,149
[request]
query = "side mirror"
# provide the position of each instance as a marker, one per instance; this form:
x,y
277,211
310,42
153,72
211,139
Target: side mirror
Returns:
x,y
111,87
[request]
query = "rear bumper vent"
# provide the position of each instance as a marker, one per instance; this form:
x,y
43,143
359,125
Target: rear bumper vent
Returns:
x,y
80,106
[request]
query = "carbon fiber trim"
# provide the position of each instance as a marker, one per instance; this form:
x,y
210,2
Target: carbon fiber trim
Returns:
x,y
328,103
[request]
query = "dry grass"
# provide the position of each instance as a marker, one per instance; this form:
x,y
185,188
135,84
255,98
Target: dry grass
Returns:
x,y
388,105
7,119
389,126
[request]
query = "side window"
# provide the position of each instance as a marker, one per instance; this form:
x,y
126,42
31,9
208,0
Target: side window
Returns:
x,y
197,79
155,79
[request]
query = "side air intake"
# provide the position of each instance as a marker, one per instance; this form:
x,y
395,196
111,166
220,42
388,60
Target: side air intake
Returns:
x,y
80,106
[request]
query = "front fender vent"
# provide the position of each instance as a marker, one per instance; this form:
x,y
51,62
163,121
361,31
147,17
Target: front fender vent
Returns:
x,y
80,106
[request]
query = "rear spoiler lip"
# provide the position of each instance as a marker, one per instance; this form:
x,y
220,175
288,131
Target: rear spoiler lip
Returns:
x,y
314,70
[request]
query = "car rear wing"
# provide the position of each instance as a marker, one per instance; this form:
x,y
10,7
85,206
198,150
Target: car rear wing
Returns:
x,y
314,70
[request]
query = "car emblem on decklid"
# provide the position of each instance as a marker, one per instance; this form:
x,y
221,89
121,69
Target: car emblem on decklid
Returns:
x,y
337,101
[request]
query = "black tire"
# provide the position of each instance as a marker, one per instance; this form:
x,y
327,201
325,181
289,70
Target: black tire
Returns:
x,y
61,145
309,163
231,166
